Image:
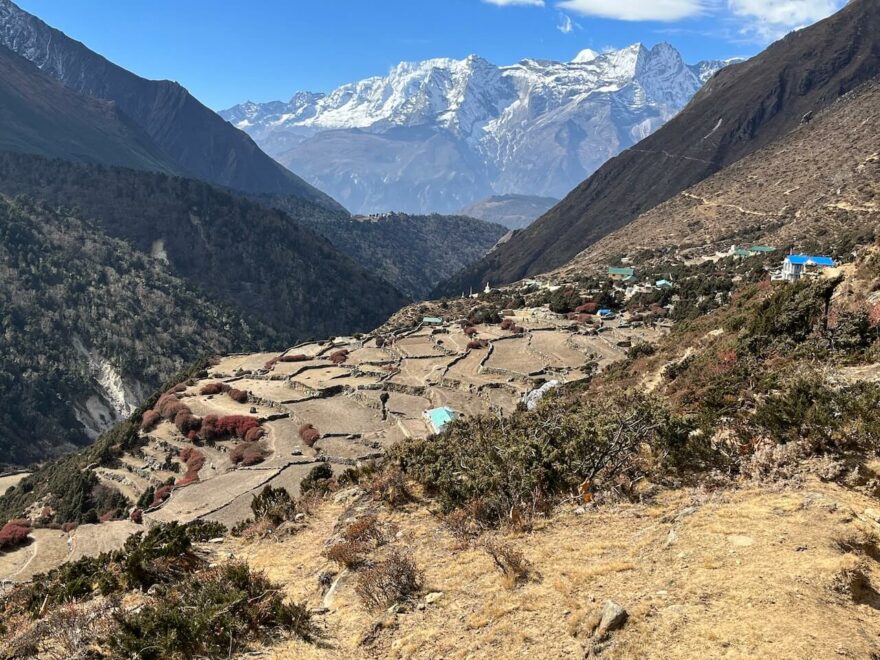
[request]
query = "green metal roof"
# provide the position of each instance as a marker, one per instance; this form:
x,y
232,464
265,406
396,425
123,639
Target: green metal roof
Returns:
x,y
619,270
762,248
432,320
740,252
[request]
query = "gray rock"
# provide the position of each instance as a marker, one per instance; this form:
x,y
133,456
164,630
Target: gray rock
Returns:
x,y
613,618
433,597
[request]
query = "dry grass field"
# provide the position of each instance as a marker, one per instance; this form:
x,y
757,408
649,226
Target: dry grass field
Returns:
x,y
749,572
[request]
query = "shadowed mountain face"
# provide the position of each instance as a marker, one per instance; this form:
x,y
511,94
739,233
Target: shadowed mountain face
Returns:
x,y
196,139
40,115
740,110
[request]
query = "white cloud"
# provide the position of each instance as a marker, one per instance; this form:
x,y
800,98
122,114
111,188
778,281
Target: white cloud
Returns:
x,y
636,10
566,26
512,3
768,20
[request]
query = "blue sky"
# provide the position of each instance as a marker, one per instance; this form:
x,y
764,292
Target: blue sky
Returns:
x,y
226,52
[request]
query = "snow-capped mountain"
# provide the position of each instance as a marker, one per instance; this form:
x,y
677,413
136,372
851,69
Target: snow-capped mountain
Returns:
x,y
440,134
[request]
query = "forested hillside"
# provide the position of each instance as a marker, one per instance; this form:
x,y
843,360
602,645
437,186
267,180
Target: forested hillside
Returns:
x,y
89,323
260,260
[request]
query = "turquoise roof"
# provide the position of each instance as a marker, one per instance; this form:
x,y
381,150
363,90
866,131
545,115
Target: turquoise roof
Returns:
x,y
440,417
432,320
762,248
662,283
618,270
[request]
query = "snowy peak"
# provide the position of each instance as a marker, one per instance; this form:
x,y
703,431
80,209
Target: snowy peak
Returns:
x,y
444,133
586,55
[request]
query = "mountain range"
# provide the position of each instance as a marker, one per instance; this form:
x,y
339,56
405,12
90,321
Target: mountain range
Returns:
x,y
743,108
438,135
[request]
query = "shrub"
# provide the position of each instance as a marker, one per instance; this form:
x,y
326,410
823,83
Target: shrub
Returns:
x,y
149,420
365,530
214,613
477,344
521,461
564,300
318,480
234,425
137,516
177,389
470,331
169,405
348,554
239,396
14,533
309,435
161,494
388,485
214,388
338,357
640,349
254,434
299,357
508,323
271,364
390,581
205,530
274,505
508,560
587,308
186,422
248,453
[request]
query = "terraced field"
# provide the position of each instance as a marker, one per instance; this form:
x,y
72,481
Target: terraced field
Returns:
x,y
360,394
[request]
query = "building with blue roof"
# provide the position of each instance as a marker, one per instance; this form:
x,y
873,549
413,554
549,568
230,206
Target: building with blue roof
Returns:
x,y
796,266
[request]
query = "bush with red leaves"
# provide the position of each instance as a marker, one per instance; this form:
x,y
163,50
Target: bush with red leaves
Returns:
x,y
518,330
477,344
247,454
177,389
470,331
231,425
169,405
186,422
270,364
254,434
214,388
107,517
338,357
299,357
149,420
137,517
239,396
161,495
69,527
309,434
14,533
587,308
508,324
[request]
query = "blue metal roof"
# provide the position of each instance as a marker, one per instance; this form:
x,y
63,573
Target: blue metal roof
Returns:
x,y
440,417
605,312
809,260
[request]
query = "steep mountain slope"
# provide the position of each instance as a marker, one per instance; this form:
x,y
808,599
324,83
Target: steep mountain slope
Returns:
x,y
742,109
512,211
817,188
39,115
90,327
440,134
198,141
413,253
260,260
